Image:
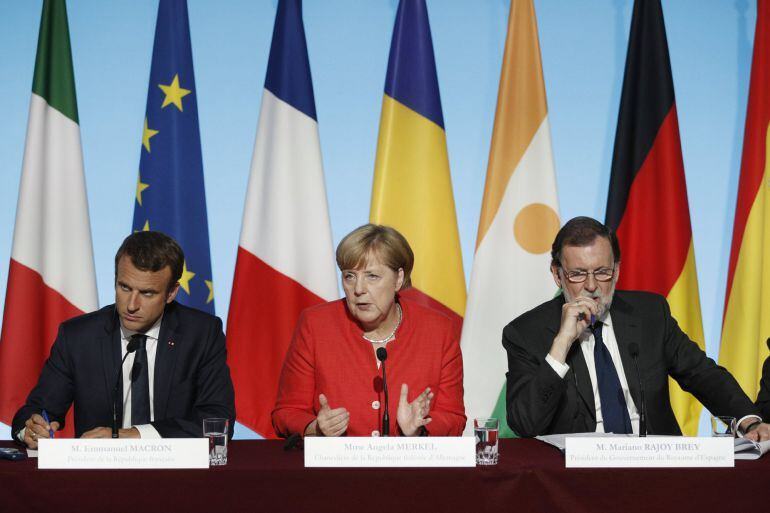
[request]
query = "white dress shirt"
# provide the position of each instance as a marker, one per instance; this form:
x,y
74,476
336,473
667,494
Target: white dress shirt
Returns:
x,y
145,430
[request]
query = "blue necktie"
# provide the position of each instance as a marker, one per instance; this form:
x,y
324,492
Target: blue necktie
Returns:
x,y
140,385
613,403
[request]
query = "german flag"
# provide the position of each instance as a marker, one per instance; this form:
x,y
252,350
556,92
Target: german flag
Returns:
x,y
647,202
747,299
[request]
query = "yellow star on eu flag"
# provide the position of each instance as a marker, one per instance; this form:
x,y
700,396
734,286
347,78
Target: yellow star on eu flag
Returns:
x,y
210,285
174,93
147,134
184,281
140,187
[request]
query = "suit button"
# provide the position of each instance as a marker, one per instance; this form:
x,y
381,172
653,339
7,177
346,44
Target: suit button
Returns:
x,y
375,433
375,405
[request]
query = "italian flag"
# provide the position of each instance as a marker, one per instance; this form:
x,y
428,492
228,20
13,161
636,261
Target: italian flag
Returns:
x,y
519,219
51,276
747,300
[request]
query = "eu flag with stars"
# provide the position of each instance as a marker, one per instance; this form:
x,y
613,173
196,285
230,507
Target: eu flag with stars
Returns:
x,y
170,194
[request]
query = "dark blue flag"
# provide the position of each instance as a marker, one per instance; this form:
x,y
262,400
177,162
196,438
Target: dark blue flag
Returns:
x,y
170,195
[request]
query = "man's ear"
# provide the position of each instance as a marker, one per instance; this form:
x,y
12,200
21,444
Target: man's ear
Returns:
x,y
555,274
172,293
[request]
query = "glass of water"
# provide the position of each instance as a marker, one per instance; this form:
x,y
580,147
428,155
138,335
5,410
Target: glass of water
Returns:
x,y
723,426
486,430
216,430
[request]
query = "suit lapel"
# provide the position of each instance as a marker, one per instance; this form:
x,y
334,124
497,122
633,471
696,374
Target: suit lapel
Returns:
x,y
626,330
575,360
165,360
109,341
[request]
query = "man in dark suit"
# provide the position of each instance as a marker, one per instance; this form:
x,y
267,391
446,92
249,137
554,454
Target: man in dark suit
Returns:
x,y
174,375
571,360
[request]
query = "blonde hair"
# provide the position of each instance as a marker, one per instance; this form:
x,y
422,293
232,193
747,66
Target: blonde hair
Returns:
x,y
383,241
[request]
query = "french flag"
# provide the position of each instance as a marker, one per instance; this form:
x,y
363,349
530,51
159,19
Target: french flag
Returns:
x,y
285,257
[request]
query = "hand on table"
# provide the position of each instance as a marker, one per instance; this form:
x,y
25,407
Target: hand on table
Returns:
x,y
759,434
105,432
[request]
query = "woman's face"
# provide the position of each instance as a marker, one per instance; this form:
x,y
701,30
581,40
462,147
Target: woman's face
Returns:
x,y
370,291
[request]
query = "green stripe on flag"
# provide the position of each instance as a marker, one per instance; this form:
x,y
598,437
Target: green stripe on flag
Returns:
x,y
500,413
54,79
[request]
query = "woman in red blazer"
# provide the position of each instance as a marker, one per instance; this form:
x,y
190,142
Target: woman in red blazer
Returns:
x,y
331,381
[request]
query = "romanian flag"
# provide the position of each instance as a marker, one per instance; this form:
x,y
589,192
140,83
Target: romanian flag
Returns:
x,y
747,300
412,189
647,202
519,218
51,276
170,195
285,256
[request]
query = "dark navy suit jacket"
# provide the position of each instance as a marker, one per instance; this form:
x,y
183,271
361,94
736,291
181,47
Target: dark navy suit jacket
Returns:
x,y
192,380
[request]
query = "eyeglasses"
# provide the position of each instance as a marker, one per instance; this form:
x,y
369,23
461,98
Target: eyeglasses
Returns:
x,y
604,274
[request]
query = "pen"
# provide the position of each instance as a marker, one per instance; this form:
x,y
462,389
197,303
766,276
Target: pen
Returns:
x,y
48,421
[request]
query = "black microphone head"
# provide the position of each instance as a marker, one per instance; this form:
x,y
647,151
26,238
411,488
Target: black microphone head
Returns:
x,y
133,344
768,342
382,354
633,349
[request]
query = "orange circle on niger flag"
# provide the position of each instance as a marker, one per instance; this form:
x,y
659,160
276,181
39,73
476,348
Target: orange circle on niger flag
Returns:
x,y
535,227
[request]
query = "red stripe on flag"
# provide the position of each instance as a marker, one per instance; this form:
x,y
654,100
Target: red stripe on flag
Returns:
x,y
656,222
33,312
264,308
757,119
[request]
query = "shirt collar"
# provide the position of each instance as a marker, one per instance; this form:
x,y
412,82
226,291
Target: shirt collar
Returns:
x,y
153,332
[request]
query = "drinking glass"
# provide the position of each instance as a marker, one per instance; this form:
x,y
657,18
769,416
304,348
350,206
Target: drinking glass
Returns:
x,y
216,430
722,426
486,431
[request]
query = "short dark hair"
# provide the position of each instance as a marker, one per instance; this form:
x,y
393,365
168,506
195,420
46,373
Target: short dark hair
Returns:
x,y
582,231
152,251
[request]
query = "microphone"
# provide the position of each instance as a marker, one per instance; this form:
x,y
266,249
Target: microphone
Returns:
x,y
382,355
633,349
768,342
130,348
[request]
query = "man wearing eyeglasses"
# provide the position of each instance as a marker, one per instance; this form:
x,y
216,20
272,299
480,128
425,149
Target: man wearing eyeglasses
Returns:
x,y
571,360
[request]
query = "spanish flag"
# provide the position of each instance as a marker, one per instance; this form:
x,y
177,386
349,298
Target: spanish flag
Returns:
x,y
519,218
647,203
412,188
746,324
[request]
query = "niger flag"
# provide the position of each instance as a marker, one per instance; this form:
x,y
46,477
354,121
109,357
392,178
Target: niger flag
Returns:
x,y
647,202
519,219
747,300
412,189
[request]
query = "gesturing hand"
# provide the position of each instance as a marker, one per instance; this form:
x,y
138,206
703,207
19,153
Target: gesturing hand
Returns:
x,y
413,416
331,422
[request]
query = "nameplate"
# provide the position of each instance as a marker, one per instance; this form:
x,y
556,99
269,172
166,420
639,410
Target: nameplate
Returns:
x,y
650,452
123,453
382,452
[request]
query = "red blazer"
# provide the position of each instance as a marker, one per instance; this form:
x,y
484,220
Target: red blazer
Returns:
x,y
328,355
